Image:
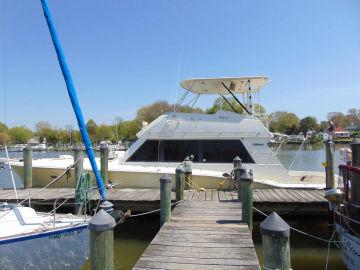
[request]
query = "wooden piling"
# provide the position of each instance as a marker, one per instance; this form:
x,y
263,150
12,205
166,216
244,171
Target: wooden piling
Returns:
x,y
329,169
104,162
247,198
188,172
101,228
355,149
78,169
179,183
27,157
275,243
165,199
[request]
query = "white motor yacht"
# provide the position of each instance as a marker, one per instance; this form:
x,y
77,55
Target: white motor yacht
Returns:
x,y
214,140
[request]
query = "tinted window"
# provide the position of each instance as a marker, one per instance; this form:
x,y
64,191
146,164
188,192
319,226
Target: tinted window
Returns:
x,y
212,151
224,151
148,151
179,150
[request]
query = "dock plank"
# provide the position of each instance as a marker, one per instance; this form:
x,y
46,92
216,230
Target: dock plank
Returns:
x,y
202,235
268,200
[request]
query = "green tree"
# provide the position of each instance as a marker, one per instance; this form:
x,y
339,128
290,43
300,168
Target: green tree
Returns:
x,y
188,109
225,106
284,122
91,128
308,123
45,132
322,126
104,133
76,136
63,136
20,134
3,127
128,129
117,121
4,138
150,112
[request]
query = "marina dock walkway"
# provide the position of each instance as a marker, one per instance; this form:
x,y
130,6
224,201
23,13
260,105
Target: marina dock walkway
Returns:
x,y
204,234
141,200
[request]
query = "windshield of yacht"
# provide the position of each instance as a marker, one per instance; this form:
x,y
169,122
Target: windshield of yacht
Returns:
x,y
211,151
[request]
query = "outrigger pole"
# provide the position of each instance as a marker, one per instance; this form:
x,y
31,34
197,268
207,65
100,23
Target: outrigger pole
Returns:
x,y
228,102
237,100
73,98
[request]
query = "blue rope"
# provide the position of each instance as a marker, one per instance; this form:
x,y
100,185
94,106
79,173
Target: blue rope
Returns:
x,y
73,98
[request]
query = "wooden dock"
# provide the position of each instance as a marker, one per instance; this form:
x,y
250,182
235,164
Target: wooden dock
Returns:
x,y
202,234
139,200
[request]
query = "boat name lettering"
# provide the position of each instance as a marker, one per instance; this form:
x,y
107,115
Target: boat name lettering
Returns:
x,y
65,234
348,246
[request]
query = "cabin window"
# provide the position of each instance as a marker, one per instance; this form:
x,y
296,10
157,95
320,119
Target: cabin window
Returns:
x,y
211,151
148,151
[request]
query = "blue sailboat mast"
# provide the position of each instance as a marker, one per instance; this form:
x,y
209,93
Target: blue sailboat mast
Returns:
x,y
73,98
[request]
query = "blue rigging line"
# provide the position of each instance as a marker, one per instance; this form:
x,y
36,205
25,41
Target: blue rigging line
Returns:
x,y
73,98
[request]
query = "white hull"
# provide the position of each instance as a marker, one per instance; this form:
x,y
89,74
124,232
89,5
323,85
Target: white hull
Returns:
x,y
31,240
59,249
350,249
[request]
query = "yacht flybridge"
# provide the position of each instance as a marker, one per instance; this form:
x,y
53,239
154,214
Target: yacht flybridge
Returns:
x,y
213,140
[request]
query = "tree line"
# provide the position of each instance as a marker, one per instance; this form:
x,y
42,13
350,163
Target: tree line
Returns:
x,y
279,121
289,123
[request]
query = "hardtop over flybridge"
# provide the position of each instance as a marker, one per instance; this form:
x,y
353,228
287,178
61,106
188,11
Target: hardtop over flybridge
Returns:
x,y
211,140
247,86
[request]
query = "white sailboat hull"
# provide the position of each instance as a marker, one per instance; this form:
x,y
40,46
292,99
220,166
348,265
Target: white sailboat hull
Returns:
x,y
54,249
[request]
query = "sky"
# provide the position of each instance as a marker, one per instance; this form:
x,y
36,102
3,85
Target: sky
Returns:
x,y
125,54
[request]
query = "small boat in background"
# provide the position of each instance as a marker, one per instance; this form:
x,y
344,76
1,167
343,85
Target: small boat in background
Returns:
x,y
341,136
17,148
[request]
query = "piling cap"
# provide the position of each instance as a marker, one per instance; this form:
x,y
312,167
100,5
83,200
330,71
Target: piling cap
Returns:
x,y
165,179
275,226
104,146
27,148
237,161
102,221
77,148
247,176
180,169
107,206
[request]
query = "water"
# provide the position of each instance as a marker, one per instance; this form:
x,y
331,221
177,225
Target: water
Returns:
x,y
309,158
132,237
